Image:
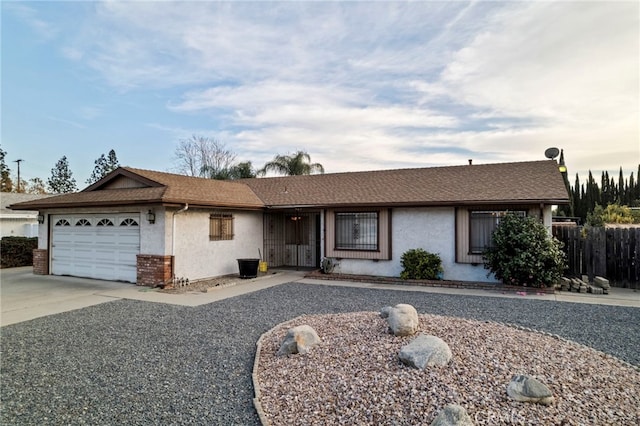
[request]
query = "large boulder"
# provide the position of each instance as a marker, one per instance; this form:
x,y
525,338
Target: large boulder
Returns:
x,y
402,320
525,388
300,340
425,351
452,415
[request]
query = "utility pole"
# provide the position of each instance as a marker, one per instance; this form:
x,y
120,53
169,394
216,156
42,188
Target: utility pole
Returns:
x,y
19,160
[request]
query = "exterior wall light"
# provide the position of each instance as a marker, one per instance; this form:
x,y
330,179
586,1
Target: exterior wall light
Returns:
x,y
151,217
40,218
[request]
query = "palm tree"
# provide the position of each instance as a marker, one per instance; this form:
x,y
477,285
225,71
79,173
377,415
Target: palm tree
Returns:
x,y
298,163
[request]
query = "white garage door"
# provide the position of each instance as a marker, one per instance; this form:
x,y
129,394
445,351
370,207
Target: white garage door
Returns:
x,y
102,246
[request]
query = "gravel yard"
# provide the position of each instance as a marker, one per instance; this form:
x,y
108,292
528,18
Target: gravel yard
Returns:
x,y
354,376
132,362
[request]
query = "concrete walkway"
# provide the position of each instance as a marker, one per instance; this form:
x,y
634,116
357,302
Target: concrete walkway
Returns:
x,y
25,296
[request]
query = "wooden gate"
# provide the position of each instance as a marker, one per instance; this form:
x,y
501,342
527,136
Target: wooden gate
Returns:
x,y
613,253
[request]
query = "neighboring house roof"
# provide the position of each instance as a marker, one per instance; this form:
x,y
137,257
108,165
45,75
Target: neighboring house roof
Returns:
x,y
526,182
9,198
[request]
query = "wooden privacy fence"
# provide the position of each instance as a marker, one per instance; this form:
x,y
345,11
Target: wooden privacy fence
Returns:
x,y
613,253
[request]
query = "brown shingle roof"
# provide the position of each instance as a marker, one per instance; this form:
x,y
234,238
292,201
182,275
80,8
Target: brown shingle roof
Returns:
x,y
535,181
167,188
526,182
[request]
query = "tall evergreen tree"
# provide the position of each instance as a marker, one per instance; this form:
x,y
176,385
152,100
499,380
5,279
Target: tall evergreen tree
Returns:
x,y
104,166
565,210
577,199
61,180
6,184
620,198
637,192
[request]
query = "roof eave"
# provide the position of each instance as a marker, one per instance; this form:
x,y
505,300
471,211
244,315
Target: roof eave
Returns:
x,y
419,204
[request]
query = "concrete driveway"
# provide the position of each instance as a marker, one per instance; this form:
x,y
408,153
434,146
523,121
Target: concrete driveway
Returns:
x,y
25,296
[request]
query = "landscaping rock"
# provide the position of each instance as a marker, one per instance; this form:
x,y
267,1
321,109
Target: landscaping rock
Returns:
x,y
384,312
452,415
425,351
575,284
300,340
601,282
403,320
525,388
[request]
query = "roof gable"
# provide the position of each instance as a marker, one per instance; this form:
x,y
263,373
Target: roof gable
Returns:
x,y
129,186
122,178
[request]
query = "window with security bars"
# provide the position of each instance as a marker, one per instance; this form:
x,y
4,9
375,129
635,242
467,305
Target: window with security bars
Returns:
x,y
482,223
220,226
357,231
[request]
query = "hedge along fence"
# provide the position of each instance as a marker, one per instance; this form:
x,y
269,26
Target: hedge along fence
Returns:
x,y
17,251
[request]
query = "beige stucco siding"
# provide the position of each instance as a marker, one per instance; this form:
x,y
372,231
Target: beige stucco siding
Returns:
x,y
432,229
196,257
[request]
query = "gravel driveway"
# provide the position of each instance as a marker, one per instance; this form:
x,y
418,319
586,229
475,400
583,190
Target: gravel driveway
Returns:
x,y
132,362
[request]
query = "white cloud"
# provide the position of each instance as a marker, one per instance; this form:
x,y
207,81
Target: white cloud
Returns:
x,y
381,84
31,17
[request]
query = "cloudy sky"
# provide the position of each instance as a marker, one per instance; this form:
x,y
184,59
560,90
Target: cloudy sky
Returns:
x,y
358,85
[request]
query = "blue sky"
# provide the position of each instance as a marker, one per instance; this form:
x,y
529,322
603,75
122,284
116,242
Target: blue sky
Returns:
x,y
358,85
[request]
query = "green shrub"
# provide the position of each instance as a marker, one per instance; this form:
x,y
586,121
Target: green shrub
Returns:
x,y
17,251
524,254
419,264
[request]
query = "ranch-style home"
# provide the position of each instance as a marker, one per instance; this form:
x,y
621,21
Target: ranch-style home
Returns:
x,y
148,227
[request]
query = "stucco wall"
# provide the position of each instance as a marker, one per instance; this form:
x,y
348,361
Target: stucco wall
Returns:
x,y
432,229
197,258
155,238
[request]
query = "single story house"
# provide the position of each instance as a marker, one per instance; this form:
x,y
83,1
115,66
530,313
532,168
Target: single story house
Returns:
x,y
148,227
14,223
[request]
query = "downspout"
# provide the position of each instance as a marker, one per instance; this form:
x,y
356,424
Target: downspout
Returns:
x,y
173,238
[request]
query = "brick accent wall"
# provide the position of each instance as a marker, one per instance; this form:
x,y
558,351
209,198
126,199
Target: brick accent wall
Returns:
x,y
153,270
41,262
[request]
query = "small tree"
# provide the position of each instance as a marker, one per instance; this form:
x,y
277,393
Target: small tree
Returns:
x,y
6,184
35,186
418,264
61,180
524,254
242,170
103,166
204,157
613,213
